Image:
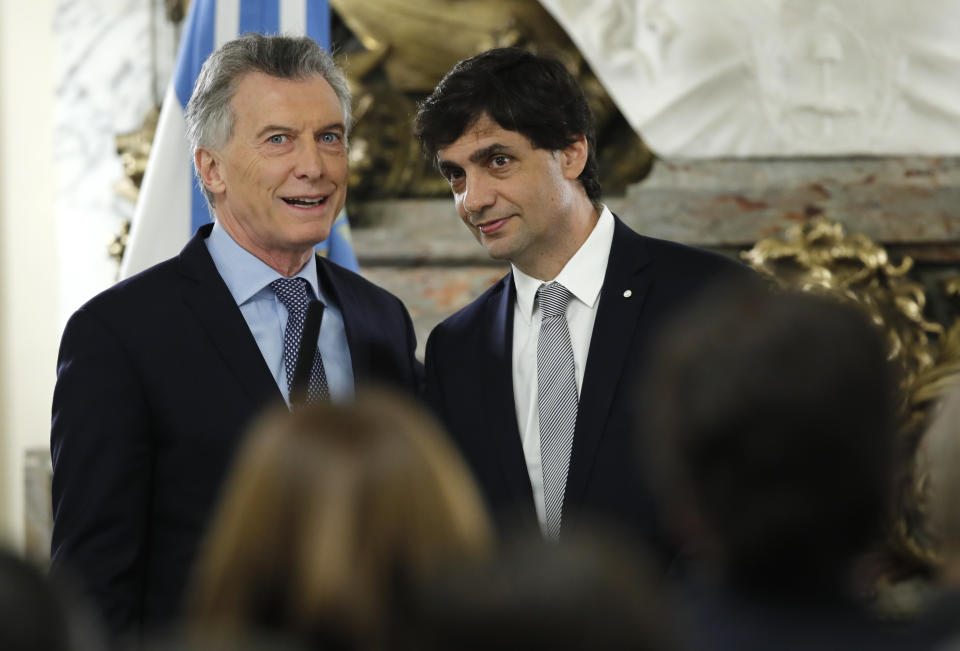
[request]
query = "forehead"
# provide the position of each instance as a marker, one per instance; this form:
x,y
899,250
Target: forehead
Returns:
x,y
479,134
261,99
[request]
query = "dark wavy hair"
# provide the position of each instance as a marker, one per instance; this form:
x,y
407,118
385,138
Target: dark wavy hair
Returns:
x,y
532,95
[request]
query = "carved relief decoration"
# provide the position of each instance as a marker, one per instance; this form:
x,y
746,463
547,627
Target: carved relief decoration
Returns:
x,y
777,77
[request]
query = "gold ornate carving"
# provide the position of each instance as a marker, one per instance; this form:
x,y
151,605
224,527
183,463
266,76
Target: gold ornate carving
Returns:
x,y
821,257
134,149
176,10
118,243
404,59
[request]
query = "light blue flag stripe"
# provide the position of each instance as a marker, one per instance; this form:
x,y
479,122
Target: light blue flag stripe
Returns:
x,y
197,44
339,248
263,17
318,23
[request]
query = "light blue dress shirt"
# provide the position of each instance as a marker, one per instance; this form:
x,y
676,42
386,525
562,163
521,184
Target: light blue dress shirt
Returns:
x,y
248,278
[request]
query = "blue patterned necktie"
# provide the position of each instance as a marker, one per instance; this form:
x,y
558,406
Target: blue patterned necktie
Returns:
x,y
557,400
292,292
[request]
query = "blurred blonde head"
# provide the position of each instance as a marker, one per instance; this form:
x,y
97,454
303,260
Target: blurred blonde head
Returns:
x,y
325,509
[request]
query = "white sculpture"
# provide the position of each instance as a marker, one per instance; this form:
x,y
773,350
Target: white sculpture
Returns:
x,y
770,78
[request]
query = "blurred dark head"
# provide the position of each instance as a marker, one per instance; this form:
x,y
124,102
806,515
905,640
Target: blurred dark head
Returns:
x,y
769,422
32,616
533,95
583,594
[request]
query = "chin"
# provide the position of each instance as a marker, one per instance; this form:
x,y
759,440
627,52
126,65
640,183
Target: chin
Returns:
x,y
499,248
499,254
316,233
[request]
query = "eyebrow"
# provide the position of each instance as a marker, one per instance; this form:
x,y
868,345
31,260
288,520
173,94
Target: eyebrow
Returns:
x,y
476,157
488,151
333,126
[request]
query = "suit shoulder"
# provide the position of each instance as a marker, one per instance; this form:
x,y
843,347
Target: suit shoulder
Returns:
x,y
468,316
345,279
150,286
669,254
682,262
676,253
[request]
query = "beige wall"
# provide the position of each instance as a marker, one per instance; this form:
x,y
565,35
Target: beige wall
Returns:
x,y
29,328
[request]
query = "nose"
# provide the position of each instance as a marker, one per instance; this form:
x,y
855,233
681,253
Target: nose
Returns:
x,y
309,161
478,194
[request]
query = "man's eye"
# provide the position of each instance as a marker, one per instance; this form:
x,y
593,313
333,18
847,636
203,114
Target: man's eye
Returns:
x,y
277,139
453,175
330,138
499,161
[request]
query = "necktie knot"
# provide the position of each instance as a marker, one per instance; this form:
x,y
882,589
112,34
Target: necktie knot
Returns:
x,y
292,292
553,299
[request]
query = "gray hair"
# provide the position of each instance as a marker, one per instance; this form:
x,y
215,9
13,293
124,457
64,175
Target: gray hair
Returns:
x,y
209,116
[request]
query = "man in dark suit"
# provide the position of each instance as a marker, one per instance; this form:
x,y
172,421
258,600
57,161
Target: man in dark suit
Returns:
x,y
533,379
159,376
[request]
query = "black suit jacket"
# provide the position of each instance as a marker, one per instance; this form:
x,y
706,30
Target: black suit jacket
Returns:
x,y
470,384
715,617
157,379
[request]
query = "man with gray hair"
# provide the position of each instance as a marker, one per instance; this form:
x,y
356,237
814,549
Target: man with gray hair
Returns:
x,y
159,375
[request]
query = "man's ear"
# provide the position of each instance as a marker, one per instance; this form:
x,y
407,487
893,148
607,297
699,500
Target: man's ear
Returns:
x,y
573,158
209,166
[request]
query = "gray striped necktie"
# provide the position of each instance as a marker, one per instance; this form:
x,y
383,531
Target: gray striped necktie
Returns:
x,y
292,292
557,400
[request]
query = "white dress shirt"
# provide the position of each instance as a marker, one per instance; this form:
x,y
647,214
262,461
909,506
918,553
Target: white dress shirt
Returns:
x,y
583,275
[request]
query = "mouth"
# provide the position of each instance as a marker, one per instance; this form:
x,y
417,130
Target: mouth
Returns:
x,y
492,226
305,202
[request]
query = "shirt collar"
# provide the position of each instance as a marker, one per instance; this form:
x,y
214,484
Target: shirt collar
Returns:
x,y
583,274
244,273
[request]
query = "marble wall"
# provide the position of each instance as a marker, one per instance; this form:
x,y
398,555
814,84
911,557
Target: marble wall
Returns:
x,y
28,265
106,82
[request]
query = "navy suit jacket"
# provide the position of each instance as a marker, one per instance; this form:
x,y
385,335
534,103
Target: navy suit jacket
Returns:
x,y
469,383
157,379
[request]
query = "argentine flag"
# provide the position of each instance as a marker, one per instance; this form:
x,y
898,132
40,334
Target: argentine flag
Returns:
x,y
170,206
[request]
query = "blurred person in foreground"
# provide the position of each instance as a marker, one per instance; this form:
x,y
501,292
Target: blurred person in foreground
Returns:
x,y
329,513
535,378
768,428
592,592
33,616
159,375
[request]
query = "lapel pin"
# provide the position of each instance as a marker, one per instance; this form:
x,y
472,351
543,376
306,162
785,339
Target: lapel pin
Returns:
x,y
628,293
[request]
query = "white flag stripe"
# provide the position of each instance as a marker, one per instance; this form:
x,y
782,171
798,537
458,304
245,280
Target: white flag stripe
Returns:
x,y
293,16
227,23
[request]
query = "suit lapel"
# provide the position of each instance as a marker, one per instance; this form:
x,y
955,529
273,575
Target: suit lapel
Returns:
x,y
353,322
498,404
207,296
613,334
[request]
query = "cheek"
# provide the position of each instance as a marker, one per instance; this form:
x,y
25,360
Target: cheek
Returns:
x,y
458,203
462,214
555,195
338,166
252,169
